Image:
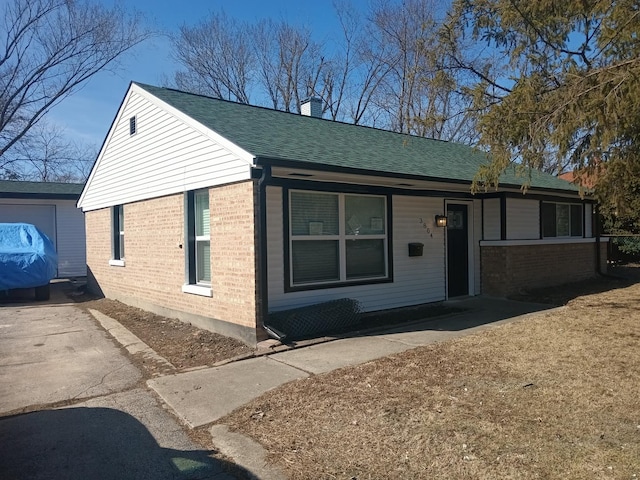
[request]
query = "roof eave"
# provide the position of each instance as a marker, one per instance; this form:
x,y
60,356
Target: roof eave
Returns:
x,y
279,162
41,196
287,163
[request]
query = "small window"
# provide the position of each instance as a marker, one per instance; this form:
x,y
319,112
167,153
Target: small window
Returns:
x,y
197,233
203,240
132,125
561,220
335,237
117,231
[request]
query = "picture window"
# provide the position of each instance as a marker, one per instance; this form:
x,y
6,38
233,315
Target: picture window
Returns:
x,y
337,237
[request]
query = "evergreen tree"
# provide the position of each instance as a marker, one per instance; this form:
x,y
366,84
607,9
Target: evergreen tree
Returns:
x,y
566,95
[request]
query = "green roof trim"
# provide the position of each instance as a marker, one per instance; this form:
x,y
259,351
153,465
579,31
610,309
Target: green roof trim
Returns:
x,y
294,138
17,189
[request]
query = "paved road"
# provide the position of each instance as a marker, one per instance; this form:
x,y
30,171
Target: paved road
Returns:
x,y
107,424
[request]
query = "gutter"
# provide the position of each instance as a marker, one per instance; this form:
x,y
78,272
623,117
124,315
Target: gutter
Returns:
x,y
263,289
319,167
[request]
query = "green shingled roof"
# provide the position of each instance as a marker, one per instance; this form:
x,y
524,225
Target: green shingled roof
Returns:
x,y
10,188
291,137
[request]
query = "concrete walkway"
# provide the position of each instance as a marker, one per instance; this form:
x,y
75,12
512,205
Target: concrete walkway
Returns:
x,y
203,396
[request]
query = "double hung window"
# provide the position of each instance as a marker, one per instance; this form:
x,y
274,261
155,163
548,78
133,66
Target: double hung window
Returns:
x,y
336,238
117,236
202,237
198,243
562,220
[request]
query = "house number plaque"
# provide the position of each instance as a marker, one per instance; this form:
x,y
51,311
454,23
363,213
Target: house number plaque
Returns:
x,y
424,225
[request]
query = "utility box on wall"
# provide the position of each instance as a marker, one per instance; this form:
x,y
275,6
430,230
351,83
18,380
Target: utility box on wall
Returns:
x,y
416,249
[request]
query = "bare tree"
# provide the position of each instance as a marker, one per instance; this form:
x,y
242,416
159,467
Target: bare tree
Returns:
x,y
418,93
355,72
46,154
388,69
230,60
218,58
48,49
291,65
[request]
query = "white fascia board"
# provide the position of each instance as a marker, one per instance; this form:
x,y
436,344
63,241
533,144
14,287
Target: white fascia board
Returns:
x,y
199,127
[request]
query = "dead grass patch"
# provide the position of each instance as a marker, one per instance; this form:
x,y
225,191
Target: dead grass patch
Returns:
x,y
553,396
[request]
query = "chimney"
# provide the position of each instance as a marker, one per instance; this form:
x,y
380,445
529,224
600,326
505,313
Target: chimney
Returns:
x,y
311,107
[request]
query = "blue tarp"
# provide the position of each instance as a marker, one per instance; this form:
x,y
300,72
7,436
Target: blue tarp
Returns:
x,y
27,256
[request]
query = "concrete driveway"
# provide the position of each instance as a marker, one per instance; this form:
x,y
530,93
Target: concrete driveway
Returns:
x,y
88,413
54,352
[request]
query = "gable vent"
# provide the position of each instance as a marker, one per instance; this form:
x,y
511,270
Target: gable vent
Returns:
x,y
132,125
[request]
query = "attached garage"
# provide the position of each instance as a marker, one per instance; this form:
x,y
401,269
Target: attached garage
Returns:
x,y
52,208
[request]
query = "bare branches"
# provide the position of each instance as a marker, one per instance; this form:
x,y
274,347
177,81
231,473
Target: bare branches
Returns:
x,y
45,154
50,48
383,71
219,57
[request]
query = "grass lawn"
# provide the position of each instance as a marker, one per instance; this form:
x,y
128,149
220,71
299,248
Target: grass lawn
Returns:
x,y
555,396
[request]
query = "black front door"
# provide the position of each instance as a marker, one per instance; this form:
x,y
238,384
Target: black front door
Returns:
x,y
457,251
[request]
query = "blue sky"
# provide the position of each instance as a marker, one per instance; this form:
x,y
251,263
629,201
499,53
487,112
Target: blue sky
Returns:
x,y
88,113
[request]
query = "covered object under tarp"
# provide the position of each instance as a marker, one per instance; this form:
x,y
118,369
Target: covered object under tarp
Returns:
x,y
27,257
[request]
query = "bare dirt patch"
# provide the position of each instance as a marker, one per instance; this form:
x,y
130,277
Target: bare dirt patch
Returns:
x,y
553,396
182,344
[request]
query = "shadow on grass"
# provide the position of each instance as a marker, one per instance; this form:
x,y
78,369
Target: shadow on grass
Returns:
x,y
472,312
451,316
619,276
93,443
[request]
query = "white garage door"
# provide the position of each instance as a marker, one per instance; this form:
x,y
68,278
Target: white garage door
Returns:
x,y
42,216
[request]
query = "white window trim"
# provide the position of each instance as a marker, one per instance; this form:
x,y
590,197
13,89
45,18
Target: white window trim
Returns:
x,y
119,240
192,285
200,239
341,237
197,289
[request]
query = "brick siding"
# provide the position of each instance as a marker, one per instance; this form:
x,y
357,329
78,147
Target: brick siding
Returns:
x,y
154,270
511,269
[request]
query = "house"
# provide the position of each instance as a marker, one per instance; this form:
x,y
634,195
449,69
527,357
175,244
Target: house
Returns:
x,y
51,207
586,180
218,213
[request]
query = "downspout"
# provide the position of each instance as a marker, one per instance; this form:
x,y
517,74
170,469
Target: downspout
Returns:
x,y
263,290
598,255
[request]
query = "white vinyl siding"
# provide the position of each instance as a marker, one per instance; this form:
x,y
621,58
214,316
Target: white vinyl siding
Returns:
x,y
58,219
165,156
491,219
416,280
41,215
72,250
523,219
